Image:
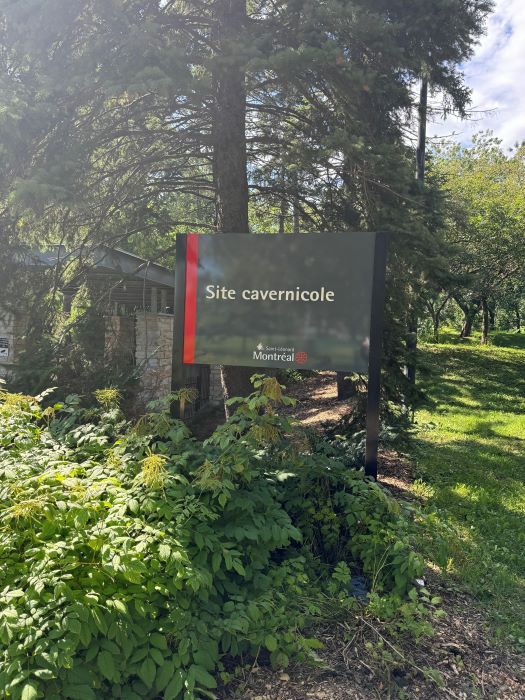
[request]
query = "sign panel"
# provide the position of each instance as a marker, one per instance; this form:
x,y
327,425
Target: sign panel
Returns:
x,y
4,348
283,300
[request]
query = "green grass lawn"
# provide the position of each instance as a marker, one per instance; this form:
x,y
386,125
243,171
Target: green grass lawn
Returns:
x,y
470,462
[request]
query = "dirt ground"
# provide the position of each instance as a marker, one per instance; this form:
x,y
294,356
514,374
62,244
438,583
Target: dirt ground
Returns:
x,y
350,668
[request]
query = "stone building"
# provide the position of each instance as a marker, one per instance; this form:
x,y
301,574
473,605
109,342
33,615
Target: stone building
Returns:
x,y
136,299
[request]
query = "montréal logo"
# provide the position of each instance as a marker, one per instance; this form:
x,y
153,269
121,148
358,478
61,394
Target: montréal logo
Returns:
x,y
267,353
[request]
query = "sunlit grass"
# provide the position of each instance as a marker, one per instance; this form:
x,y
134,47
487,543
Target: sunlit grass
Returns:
x,y
471,470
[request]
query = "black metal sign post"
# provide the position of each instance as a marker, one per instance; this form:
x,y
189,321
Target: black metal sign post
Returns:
x,y
374,361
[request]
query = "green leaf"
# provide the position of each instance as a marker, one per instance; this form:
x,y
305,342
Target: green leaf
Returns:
x,y
29,692
85,635
134,506
279,659
205,659
164,675
106,665
120,606
139,654
111,647
18,593
216,562
157,656
270,642
175,686
100,621
132,576
164,552
73,625
158,640
239,568
78,692
202,676
207,693
46,674
147,672
313,643
128,694
92,651
80,675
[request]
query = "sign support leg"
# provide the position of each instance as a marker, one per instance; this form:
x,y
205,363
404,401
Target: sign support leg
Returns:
x,y
374,362
177,376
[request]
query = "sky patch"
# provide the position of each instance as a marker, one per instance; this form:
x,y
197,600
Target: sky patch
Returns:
x,y
496,76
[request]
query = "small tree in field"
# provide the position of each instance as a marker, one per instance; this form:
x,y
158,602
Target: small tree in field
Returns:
x,y
486,224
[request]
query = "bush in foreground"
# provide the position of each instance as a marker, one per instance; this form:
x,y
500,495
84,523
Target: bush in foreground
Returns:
x,y
134,559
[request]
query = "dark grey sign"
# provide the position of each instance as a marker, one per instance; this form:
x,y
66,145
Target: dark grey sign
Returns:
x,y
292,300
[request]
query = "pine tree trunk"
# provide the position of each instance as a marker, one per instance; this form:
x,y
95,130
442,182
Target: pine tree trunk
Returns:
x,y
486,322
412,326
229,120
421,149
283,209
229,148
518,319
411,345
296,209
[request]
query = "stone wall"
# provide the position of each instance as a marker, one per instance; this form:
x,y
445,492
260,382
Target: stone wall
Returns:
x,y
144,340
154,357
12,328
153,354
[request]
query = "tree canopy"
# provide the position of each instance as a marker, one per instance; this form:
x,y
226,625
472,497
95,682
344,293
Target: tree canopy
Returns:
x,y
485,222
124,122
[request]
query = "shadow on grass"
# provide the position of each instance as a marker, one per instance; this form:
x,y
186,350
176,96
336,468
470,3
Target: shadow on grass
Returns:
x,y
477,492
509,340
474,461
464,378
502,339
488,470
485,429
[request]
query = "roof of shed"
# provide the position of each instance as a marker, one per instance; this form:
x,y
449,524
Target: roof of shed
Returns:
x,y
106,260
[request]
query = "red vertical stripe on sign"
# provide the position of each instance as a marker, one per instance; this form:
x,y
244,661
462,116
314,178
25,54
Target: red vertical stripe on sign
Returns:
x,y
190,306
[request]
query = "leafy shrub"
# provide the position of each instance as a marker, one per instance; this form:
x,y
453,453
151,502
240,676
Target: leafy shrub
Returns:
x,y
343,517
134,558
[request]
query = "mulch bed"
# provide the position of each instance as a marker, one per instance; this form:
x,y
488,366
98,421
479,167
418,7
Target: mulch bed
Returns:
x,y
470,664
317,403
460,650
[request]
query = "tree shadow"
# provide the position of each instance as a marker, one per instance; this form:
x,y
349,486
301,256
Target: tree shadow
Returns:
x,y
479,489
486,429
509,340
461,378
477,472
